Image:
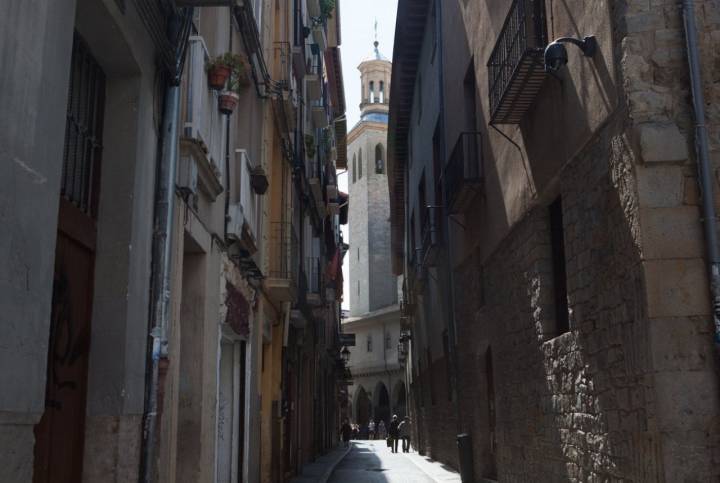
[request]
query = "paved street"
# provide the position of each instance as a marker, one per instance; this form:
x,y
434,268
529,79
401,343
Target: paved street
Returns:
x,y
372,462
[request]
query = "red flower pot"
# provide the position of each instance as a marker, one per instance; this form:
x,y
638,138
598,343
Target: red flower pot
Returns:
x,y
228,101
218,76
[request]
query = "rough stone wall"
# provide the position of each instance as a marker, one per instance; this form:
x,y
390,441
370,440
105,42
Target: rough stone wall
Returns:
x,y
630,393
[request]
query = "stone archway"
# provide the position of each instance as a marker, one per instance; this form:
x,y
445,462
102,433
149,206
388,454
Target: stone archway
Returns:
x,y
361,407
400,399
381,403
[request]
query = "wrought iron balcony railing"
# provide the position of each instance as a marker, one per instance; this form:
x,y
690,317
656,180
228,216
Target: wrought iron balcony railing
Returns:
x,y
516,69
464,172
284,252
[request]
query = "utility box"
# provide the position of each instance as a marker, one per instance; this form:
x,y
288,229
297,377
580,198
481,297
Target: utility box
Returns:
x,y
465,452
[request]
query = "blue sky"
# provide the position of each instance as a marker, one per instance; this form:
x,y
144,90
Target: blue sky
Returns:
x,y
357,21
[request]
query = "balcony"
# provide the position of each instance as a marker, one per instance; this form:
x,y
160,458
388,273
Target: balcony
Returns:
x,y
313,80
516,69
245,209
288,98
203,126
464,172
283,275
314,281
319,114
431,236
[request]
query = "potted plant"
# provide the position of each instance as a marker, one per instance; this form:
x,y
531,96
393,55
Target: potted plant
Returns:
x,y
258,180
238,79
310,146
227,66
227,101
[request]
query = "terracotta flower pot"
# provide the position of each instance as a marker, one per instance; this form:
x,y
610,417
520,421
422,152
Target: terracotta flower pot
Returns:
x,y
228,101
218,76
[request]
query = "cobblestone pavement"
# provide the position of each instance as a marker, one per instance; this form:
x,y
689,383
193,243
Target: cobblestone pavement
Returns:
x,y
373,462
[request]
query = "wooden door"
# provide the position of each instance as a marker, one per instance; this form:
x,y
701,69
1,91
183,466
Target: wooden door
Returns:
x,y
59,436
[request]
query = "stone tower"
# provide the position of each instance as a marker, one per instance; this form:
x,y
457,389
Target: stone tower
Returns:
x,y
372,284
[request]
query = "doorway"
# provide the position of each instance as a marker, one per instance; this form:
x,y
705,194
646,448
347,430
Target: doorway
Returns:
x,y
60,433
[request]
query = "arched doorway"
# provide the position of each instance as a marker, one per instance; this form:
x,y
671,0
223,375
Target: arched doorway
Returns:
x,y
400,399
382,404
361,407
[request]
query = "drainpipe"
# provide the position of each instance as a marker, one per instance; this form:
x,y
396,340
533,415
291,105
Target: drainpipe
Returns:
x,y
703,160
160,281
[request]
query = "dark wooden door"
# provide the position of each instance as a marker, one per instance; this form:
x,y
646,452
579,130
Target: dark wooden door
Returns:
x,y
59,436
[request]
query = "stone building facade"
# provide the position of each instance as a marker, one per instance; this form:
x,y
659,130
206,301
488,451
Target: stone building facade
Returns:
x,y
378,389
170,267
559,303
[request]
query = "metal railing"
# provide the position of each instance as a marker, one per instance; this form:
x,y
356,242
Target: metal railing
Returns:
x,y
464,171
284,252
202,121
515,68
283,65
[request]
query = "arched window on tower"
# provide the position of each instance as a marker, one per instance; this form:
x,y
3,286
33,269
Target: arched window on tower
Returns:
x,y
379,159
382,92
360,164
354,168
372,92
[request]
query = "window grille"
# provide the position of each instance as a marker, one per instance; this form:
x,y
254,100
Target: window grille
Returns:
x,y
83,132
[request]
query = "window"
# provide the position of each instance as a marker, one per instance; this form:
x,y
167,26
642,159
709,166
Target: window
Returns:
x,y
379,159
372,92
448,371
369,343
388,340
358,288
360,164
557,237
491,413
354,168
382,92
80,179
358,253
469,90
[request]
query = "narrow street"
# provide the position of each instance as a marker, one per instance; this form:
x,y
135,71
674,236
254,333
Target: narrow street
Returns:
x,y
372,461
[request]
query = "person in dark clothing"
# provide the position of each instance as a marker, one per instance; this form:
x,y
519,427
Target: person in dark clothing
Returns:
x,y
394,433
405,430
346,433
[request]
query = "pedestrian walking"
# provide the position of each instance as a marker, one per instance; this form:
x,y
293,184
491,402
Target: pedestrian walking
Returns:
x,y
381,432
394,433
405,429
371,430
346,433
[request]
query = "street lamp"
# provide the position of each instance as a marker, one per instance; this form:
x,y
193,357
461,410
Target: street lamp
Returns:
x,y
345,353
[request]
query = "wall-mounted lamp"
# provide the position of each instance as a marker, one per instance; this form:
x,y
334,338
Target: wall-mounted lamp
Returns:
x,y
556,54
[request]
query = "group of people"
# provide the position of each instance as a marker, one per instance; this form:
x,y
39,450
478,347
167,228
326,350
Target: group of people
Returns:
x,y
397,430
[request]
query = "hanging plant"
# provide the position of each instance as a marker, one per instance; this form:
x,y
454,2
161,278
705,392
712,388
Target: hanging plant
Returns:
x,y
327,7
310,146
228,67
228,101
258,180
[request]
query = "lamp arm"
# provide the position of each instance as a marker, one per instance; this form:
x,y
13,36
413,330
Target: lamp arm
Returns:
x,y
588,45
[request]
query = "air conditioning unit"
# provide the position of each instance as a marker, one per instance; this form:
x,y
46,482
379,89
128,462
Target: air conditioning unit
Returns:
x,y
188,176
235,221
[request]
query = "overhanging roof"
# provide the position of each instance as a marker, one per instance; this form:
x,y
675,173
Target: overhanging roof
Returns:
x,y
409,32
